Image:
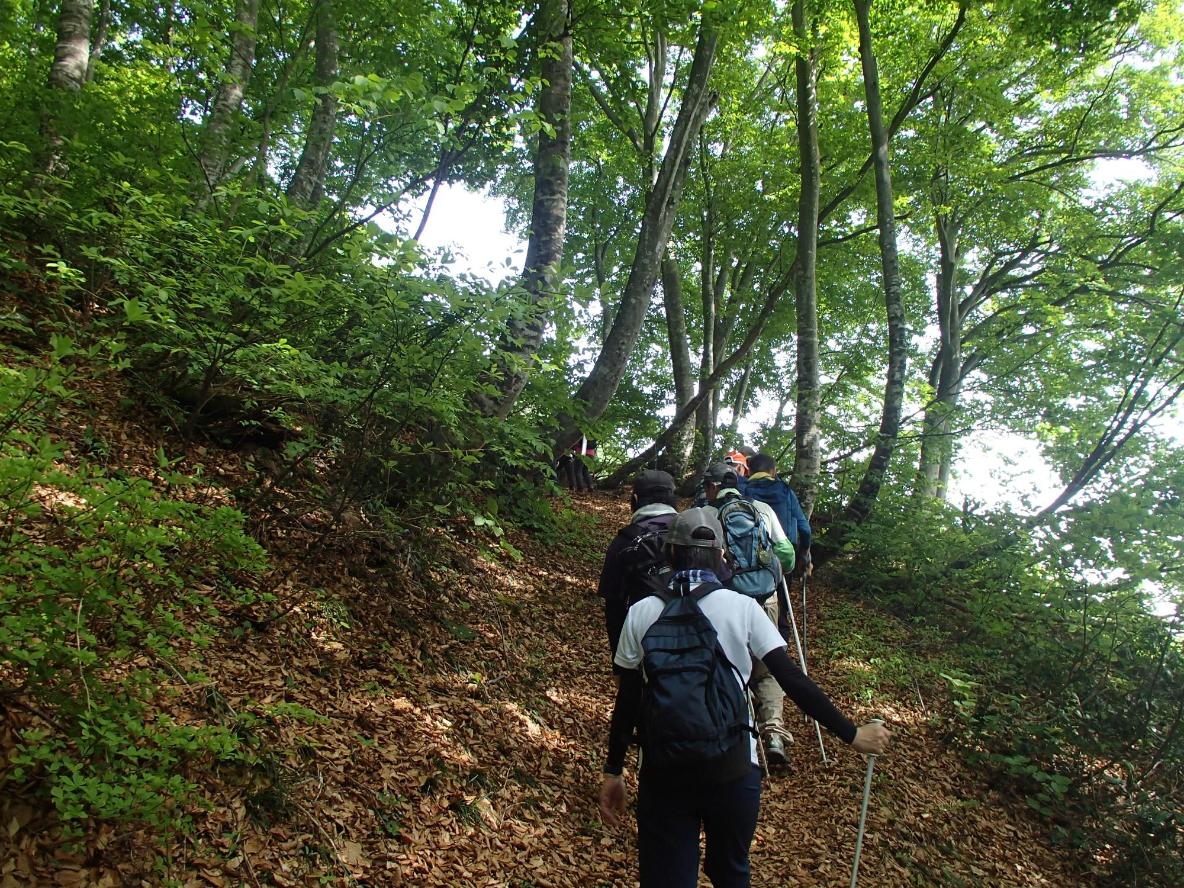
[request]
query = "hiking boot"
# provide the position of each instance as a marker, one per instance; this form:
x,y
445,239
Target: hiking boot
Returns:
x,y
775,751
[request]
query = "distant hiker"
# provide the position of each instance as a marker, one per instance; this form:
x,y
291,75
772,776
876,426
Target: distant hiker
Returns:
x,y
686,658
635,565
760,554
738,460
764,485
571,469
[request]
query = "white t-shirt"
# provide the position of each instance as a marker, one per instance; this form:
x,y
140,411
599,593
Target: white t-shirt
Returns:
x,y
743,627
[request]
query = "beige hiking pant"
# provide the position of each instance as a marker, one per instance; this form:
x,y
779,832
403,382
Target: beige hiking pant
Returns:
x,y
767,694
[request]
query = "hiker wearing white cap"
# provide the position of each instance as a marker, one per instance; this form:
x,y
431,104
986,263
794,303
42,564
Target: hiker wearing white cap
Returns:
x,y
685,657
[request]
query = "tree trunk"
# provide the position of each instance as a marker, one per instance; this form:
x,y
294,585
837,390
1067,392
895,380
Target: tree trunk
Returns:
x,y
738,403
661,205
99,43
808,453
71,58
704,425
229,99
679,453
548,215
71,54
860,506
708,386
946,375
308,182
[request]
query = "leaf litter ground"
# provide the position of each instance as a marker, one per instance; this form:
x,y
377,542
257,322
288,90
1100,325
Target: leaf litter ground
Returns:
x,y
438,718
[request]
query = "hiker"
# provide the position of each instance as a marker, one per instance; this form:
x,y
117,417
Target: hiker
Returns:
x,y
571,469
760,577
635,564
764,485
686,785
738,460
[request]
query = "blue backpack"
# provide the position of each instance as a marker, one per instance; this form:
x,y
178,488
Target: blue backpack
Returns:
x,y
694,711
756,570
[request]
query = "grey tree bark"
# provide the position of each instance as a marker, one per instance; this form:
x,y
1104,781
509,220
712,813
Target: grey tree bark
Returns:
x,y
99,43
67,74
946,373
71,53
739,400
601,383
860,505
679,453
214,157
808,451
710,385
548,215
308,182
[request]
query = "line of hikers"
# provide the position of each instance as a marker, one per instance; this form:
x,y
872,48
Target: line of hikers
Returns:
x,y
697,614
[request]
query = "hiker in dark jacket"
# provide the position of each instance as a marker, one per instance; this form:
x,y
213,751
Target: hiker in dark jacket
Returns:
x,y
721,795
764,485
624,579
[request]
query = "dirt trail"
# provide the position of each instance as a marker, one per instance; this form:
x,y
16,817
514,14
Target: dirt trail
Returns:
x,y
451,732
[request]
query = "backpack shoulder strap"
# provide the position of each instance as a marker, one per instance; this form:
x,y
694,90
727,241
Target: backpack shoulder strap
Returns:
x,y
633,532
704,589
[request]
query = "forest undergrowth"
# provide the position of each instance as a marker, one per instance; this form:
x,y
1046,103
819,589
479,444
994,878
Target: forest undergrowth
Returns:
x,y
431,710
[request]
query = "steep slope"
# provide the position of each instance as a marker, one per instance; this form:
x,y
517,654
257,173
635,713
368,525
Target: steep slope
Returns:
x,y
430,710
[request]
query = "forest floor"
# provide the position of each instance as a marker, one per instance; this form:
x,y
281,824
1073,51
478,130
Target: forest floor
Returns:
x,y
437,716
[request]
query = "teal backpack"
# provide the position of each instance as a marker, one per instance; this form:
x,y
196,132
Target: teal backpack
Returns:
x,y
756,570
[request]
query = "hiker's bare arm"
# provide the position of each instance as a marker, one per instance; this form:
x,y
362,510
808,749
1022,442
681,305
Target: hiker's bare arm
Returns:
x,y
807,695
872,738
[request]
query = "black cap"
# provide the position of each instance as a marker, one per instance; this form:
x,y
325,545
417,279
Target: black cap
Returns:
x,y
721,473
653,481
696,527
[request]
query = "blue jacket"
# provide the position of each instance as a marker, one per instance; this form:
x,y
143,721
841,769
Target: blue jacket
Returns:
x,y
785,503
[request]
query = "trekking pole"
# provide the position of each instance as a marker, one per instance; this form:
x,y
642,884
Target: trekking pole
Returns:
x,y
797,640
867,791
804,633
804,636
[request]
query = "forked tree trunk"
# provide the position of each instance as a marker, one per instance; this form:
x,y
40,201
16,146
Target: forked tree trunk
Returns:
x,y
709,386
860,506
678,454
548,216
308,182
738,404
945,377
597,389
228,102
808,452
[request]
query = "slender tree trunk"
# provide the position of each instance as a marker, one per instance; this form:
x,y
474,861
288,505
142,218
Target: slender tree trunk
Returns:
x,y
71,58
548,218
99,43
738,403
860,506
601,383
709,385
308,182
704,424
808,452
228,102
946,377
679,452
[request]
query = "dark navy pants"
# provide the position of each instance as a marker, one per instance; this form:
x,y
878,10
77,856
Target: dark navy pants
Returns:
x,y
668,819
